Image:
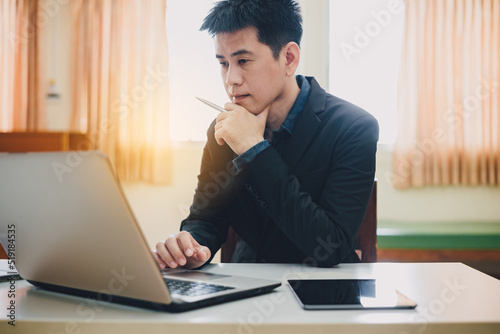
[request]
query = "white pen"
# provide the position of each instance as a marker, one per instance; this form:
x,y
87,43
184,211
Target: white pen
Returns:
x,y
213,105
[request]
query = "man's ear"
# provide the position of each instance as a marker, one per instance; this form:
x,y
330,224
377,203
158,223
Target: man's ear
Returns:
x,y
292,56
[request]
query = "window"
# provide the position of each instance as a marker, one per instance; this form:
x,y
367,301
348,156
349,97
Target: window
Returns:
x,y
365,44
193,71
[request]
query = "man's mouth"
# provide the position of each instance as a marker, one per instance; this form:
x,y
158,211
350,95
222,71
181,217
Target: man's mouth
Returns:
x,y
239,97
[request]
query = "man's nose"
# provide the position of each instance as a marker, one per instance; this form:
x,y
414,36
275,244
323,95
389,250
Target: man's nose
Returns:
x,y
233,76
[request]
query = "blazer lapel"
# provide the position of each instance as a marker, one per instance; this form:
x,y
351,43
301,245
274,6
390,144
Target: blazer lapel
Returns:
x,y
306,126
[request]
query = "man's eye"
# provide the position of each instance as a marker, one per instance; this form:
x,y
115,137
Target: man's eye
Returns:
x,y
223,64
243,61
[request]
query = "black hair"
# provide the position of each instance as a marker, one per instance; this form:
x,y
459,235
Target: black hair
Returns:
x,y
278,22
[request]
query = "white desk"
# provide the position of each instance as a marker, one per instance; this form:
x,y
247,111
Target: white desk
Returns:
x,y
452,298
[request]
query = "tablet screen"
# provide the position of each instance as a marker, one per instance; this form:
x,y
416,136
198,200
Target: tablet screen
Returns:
x,y
326,294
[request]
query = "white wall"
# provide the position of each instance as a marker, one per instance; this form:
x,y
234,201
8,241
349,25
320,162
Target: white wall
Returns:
x,y
314,57
160,209
433,204
57,31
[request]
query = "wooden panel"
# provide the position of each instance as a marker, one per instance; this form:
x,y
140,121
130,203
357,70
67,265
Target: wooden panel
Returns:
x,y
43,141
437,255
80,142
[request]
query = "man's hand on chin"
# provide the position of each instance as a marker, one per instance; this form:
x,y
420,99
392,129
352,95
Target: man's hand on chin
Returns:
x,y
239,128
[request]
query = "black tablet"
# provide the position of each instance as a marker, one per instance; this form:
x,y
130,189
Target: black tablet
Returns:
x,y
348,294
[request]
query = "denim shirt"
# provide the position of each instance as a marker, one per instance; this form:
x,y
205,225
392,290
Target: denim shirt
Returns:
x,y
279,138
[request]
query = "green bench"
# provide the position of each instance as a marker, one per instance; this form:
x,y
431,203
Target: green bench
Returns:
x,y
474,243
438,235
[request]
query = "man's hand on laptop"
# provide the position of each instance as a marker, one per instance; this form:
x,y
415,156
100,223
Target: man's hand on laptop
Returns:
x,y
180,250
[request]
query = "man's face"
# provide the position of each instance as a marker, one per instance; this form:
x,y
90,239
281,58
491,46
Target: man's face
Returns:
x,y
252,77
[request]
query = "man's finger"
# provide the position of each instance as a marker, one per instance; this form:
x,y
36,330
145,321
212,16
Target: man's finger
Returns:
x,y
186,243
222,116
218,137
163,253
203,254
173,247
159,260
230,106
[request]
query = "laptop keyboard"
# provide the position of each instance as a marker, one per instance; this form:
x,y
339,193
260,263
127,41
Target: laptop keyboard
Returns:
x,y
193,289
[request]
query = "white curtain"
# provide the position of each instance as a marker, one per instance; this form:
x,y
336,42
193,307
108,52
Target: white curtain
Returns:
x,y
449,94
120,84
22,94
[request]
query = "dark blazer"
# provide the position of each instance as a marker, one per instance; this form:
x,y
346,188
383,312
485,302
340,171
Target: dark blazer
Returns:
x,y
303,207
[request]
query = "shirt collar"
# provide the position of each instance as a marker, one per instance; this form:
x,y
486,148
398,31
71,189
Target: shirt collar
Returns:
x,y
298,106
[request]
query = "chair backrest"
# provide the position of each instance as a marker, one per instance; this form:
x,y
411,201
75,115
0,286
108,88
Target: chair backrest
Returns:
x,y
366,239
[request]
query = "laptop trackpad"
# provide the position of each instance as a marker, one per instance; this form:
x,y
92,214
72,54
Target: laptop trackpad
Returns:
x,y
197,275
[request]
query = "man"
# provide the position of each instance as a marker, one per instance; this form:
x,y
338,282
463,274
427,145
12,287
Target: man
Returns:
x,y
288,166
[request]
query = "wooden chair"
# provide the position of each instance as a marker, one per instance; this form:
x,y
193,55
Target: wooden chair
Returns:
x,y
366,239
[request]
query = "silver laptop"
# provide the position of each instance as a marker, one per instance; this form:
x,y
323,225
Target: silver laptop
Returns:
x,y
75,233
